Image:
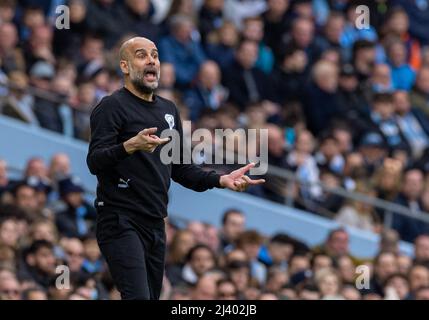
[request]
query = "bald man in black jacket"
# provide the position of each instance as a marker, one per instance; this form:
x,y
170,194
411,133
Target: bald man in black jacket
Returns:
x,y
133,182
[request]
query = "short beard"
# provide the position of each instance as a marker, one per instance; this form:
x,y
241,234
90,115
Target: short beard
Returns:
x,y
141,87
138,82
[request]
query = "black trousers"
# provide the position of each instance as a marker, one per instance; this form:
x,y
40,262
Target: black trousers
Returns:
x,y
135,254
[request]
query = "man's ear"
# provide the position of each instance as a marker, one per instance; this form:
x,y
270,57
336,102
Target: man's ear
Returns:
x,y
124,66
31,261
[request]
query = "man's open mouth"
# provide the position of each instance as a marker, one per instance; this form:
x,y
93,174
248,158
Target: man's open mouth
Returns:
x,y
150,75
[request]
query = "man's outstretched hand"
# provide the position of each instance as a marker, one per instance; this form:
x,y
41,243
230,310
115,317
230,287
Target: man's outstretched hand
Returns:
x,y
145,140
237,179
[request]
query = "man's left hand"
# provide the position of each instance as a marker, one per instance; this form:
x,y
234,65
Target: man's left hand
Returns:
x,y
237,179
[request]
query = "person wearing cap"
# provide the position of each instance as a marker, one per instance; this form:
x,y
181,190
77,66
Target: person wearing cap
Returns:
x,y
45,108
373,149
79,217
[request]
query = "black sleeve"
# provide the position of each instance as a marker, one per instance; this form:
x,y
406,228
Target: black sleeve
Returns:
x,y
104,149
192,176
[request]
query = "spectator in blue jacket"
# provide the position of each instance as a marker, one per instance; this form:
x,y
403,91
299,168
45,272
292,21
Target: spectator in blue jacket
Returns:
x,y
222,51
207,93
180,49
403,76
352,33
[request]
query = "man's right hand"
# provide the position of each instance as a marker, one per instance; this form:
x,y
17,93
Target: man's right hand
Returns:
x,y
145,140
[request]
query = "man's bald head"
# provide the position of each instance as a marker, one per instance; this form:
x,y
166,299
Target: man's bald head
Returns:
x,y
125,52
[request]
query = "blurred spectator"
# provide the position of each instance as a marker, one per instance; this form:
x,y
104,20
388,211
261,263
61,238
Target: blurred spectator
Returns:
x,y
418,14
181,50
102,13
389,241
66,42
363,58
181,244
373,149
93,262
168,76
8,8
246,83
226,290
301,160
39,46
253,29
276,22
79,217
197,229
418,277
351,100
208,93
420,93
413,123
210,18
39,263
46,109
333,32
205,288
239,272
399,283
329,155
277,252
250,242
358,214
410,196
59,168
302,36
200,259
336,244
90,58
421,248
11,57
291,74
397,25
383,120
329,284
321,104
82,110
32,17
9,235
402,74
24,197
233,225
221,49
19,104
135,17
10,289
385,265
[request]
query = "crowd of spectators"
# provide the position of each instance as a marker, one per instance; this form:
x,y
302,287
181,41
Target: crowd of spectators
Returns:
x,y
48,250
344,106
